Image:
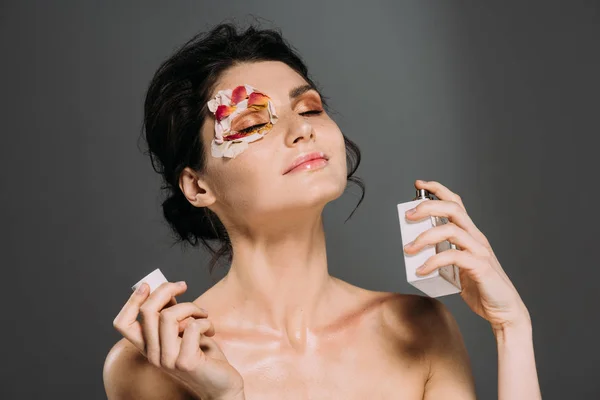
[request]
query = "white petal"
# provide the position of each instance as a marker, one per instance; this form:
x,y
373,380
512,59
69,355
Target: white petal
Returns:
x,y
251,138
224,96
272,113
225,125
235,149
216,150
219,150
212,105
241,106
228,149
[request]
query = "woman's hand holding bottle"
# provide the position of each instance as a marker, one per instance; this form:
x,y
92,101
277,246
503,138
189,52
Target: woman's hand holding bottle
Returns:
x,y
193,358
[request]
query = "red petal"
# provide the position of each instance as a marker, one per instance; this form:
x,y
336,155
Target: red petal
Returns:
x,y
224,111
238,94
258,100
236,135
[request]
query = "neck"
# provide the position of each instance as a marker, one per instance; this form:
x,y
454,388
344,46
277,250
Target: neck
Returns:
x,y
279,279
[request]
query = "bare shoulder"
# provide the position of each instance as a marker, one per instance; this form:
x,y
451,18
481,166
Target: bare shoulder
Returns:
x,y
413,311
127,374
414,319
427,328
423,323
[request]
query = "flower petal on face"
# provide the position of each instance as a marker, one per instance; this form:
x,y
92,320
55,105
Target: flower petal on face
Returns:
x,y
240,107
226,106
224,111
258,101
226,125
253,138
218,133
235,149
218,149
212,105
239,94
227,149
222,128
272,113
224,97
235,136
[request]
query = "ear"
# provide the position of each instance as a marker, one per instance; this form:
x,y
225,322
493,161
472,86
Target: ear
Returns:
x,y
195,189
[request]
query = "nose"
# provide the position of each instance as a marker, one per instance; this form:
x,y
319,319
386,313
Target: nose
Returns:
x,y
299,130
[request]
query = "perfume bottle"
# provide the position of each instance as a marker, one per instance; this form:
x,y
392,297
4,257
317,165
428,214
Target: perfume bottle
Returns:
x,y
441,282
154,279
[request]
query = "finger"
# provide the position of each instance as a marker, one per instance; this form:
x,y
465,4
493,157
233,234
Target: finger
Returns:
x,y
171,302
441,208
150,311
450,232
462,259
210,348
184,324
126,321
190,352
168,330
453,210
441,191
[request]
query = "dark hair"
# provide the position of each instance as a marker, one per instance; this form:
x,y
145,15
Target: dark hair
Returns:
x,y
175,109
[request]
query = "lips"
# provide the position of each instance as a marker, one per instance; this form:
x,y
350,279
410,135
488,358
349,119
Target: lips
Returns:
x,y
306,158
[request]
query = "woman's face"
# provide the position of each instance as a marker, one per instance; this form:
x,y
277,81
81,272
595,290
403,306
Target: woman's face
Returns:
x,y
254,186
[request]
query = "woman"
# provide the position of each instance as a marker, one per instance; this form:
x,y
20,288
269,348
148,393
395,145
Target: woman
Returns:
x,y
250,157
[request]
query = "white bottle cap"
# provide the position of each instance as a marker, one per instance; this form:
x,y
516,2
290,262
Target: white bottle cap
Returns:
x,y
154,279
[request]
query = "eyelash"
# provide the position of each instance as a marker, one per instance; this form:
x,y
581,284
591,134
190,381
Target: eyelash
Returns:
x,y
253,127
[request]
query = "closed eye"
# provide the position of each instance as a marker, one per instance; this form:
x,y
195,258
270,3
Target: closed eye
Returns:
x,y
252,128
312,112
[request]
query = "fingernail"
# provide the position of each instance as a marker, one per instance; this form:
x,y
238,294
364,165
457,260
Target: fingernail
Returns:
x,y
408,245
141,289
421,181
421,268
411,211
181,283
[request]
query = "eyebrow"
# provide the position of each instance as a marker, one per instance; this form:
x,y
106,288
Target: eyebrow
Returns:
x,y
297,91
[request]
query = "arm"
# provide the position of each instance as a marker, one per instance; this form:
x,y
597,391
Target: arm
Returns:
x,y
517,375
450,376
128,375
486,289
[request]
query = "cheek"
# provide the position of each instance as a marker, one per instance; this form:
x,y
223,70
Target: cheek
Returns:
x,y
236,181
239,183
336,145
330,131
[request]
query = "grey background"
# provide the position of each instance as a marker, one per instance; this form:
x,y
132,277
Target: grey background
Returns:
x,y
497,101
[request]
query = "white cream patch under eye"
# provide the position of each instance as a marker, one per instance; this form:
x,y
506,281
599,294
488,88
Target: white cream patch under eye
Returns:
x,y
226,106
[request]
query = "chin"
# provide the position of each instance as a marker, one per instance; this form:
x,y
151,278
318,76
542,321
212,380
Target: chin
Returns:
x,y
319,192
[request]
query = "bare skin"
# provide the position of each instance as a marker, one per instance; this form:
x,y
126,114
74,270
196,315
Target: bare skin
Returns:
x,y
290,329
353,339
374,345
